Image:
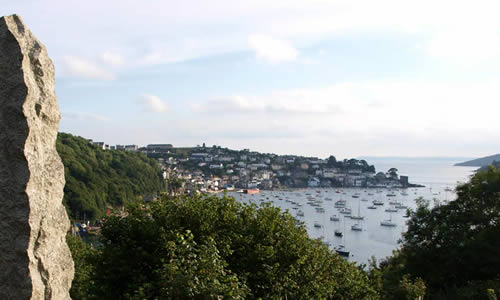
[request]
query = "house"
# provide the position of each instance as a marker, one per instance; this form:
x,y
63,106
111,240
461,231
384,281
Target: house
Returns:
x,y
131,148
329,173
276,167
199,156
159,147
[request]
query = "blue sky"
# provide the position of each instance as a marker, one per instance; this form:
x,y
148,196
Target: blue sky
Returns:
x,y
316,77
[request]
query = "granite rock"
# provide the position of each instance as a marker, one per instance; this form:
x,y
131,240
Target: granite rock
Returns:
x,y
35,261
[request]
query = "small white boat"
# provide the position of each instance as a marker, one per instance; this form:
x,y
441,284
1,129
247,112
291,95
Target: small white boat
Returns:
x,y
391,209
320,209
345,211
388,223
372,207
356,227
334,218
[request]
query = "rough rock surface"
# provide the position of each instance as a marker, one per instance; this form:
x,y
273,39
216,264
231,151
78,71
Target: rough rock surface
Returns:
x,y
35,261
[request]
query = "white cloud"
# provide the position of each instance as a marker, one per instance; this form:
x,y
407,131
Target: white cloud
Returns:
x,y
292,102
271,49
152,103
466,47
356,118
112,58
83,116
83,68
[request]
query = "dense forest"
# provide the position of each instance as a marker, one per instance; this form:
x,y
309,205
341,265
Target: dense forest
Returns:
x,y
99,179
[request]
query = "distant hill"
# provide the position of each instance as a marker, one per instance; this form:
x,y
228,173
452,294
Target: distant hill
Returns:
x,y
97,179
480,162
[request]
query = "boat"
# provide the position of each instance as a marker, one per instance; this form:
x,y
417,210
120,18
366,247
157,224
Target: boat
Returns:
x,y
391,194
355,196
388,223
391,209
404,194
401,206
345,211
377,202
448,189
356,227
372,207
342,251
317,225
339,204
334,218
320,209
300,213
251,191
359,216
338,233
394,203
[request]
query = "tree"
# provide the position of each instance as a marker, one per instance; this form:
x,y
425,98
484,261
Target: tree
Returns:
x,y
454,247
209,247
332,161
97,179
392,173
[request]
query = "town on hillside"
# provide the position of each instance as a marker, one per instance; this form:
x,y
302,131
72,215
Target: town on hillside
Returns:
x,y
211,169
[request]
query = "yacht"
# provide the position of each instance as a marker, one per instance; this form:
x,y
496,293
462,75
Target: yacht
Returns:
x,y
320,209
391,209
334,218
358,216
377,202
372,207
338,233
356,227
300,213
342,251
317,225
388,223
345,211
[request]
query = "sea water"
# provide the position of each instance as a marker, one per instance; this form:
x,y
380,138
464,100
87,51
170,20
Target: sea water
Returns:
x,y
438,176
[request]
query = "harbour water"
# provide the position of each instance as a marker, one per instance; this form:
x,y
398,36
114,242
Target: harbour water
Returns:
x,y
318,205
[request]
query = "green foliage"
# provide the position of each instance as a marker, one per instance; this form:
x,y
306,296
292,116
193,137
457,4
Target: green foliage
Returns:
x,y
454,247
205,247
98,179
83,257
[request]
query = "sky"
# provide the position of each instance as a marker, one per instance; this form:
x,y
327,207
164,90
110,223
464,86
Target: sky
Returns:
x,y
310,77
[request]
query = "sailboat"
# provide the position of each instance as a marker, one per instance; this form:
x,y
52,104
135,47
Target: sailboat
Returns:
x,y
359,216
388,223
356,227
341,250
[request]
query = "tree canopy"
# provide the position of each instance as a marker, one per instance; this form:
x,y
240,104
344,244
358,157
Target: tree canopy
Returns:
x,y
454,247
97,179
205,247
